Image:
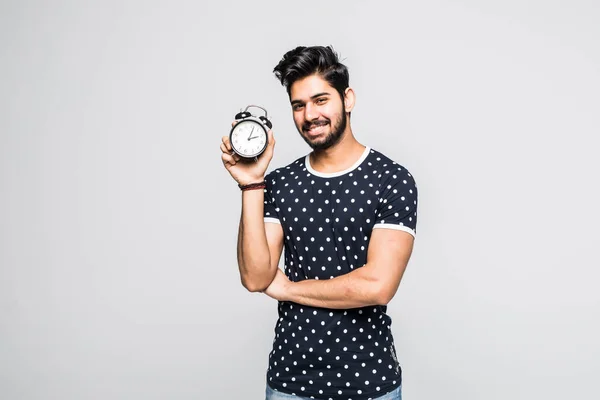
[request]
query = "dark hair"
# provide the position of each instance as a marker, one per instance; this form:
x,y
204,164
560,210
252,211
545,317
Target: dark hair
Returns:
x,y
305,61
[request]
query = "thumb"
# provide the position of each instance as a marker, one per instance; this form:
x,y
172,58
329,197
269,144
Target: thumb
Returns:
x,y
271,143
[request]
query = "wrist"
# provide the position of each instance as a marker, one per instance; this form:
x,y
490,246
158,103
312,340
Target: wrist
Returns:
x,y
253,186
245,182
288,292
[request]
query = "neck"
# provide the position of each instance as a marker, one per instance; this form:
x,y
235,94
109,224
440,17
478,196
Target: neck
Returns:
x,y
338,157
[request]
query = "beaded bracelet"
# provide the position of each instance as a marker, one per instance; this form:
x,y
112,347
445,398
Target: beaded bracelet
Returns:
x,y
252,186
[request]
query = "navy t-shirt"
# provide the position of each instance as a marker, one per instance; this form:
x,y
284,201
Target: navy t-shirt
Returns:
x,y
327,220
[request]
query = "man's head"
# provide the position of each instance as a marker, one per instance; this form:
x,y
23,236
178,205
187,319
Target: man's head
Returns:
x,y
318,88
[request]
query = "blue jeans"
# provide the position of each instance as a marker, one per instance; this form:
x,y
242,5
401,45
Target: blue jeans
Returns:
x,y
275,395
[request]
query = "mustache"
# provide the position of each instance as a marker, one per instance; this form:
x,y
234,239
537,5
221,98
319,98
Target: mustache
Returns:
x,y
312,124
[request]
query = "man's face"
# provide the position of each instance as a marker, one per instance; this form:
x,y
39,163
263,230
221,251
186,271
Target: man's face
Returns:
x,y
318,112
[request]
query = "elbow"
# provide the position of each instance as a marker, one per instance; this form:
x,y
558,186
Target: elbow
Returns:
x,y
376,291
383,294
256,284
379,288
383,299
253,286
382,287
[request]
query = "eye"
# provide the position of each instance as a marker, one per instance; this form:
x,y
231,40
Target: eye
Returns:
x,y
297,107
321,100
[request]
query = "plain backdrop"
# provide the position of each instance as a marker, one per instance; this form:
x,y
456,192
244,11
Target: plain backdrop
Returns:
x,y
118,222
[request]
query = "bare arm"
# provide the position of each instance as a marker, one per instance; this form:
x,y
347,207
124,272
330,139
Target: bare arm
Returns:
x,y
259,244
373,284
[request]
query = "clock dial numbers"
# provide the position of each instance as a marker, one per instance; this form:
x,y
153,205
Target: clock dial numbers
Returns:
x,y
248,138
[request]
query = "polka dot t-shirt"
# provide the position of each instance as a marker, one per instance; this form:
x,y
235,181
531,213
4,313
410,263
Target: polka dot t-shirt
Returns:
x,y
327,220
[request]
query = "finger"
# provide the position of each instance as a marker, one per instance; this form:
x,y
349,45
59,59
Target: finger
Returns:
x,y
230,152
228,159
271,145
234,123
225,140
271,137
224,148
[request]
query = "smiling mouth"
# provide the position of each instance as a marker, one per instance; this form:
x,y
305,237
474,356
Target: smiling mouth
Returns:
x,y
316,129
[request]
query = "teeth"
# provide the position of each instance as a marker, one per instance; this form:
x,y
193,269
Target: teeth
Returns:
x,y
316,127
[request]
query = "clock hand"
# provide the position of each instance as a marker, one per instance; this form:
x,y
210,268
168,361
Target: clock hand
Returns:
x,y
251,132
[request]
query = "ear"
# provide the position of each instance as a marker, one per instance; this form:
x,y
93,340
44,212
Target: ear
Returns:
x,y
349,99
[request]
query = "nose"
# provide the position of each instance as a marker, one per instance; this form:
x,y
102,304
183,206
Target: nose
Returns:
x,y
310,112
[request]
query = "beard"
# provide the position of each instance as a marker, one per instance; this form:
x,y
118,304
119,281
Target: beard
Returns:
x,y
334,136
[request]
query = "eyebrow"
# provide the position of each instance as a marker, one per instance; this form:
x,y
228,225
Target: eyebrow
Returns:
x,y
311,97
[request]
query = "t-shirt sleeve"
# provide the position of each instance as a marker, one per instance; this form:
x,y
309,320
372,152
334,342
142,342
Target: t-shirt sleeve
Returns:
x,y
270,209
398,202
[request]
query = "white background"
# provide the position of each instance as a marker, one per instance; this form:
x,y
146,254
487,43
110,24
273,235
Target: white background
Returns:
x,y
118,275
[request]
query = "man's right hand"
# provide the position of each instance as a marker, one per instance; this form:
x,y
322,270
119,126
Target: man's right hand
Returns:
x,y
246,171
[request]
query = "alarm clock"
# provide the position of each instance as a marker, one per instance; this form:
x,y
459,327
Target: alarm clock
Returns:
x,y
248,137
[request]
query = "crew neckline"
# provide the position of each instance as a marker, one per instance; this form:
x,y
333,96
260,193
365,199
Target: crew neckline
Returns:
x,y
362,158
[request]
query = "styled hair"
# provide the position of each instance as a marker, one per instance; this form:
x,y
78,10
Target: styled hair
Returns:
x,y
305,61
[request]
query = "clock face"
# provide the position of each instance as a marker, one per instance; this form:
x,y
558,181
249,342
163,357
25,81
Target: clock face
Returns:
x,y
248,138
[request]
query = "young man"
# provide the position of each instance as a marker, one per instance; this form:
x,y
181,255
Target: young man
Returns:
x,y
346,215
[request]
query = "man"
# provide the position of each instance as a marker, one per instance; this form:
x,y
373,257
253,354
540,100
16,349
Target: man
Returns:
x,y
346,215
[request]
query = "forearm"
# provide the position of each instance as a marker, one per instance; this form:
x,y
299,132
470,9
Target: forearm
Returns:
x,y
253,250
358,288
